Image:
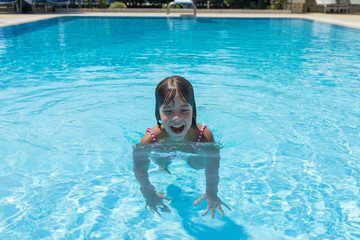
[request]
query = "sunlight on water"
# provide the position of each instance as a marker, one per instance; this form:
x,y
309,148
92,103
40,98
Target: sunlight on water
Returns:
x,y
280,95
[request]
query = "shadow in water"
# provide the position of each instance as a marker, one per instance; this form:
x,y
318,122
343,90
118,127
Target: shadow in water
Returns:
x,y
229,229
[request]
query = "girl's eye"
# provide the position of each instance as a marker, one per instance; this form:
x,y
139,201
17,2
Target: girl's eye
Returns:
x,y
185,110
167,112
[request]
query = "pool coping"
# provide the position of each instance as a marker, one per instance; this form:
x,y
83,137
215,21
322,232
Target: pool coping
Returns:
x,y
347,20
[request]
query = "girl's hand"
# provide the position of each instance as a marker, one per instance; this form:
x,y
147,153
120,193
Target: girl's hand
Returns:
x,y
155,199
213,202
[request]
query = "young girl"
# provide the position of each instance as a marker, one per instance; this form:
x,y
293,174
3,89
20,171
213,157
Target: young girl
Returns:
x,y
175,113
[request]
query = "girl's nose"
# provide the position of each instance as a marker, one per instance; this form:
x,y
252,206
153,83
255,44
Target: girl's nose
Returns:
x,y
176,117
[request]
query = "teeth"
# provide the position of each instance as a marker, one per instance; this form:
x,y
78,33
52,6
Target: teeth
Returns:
x,y
177,126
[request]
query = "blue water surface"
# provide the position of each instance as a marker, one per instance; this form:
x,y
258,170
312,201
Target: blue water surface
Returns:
x,y
280,95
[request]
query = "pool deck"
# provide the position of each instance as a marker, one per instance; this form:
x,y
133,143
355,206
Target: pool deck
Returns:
x,y
347,20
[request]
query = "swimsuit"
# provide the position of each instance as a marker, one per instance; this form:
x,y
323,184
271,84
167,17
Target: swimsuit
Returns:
x,y
198,140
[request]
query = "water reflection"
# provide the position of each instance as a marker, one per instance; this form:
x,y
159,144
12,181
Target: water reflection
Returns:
x,y
198,156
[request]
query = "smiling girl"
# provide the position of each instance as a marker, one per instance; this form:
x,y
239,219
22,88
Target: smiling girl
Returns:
x,y
175,113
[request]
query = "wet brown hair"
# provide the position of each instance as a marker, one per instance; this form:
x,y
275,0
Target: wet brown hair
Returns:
x,y
165,93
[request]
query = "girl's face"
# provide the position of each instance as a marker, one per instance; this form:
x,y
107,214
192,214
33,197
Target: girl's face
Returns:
x,y
176,118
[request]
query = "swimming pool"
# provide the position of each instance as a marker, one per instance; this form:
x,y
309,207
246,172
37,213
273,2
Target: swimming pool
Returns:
x,y
280,95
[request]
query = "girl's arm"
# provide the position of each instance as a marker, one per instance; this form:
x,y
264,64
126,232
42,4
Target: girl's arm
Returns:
x,y
212,180
141,165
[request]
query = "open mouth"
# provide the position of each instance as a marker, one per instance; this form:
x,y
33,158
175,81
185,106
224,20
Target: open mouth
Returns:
x,y
177,129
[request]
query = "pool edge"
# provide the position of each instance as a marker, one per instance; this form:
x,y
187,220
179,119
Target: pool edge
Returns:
x,y
346,20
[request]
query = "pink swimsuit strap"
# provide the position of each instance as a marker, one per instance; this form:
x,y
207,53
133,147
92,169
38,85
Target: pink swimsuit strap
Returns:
x,y
198,140
152,134
201,133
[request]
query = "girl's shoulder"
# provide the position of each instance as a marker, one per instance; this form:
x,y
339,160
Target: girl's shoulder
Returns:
x,y
149,138
207,135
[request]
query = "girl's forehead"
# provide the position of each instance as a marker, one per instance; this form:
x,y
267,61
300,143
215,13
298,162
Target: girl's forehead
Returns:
x,y
176,100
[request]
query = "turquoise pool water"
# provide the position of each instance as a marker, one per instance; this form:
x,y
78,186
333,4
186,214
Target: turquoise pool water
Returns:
x,y
281,96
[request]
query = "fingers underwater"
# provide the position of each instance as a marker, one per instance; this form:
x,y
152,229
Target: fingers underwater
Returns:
x,y
220,211
165,208
206,211
162,195
197,201
226,205
212,212
157,211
